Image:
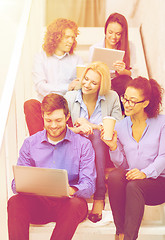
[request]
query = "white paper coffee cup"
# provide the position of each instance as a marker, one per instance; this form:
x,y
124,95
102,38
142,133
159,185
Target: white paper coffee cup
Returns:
x,y
109,125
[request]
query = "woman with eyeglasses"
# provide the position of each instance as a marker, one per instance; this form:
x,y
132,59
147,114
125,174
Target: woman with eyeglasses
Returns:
x,y
138,152
93,101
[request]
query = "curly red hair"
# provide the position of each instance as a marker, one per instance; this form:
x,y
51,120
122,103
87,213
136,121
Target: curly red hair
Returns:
x,y
55,32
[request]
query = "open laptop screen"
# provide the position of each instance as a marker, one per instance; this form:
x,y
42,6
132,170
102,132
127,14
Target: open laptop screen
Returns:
x,y
41,181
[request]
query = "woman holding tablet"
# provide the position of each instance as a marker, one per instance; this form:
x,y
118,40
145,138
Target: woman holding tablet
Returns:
x,y
93,101
116,37
137,150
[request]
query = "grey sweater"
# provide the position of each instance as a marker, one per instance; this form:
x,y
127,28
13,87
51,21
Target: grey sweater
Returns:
x,y
109,107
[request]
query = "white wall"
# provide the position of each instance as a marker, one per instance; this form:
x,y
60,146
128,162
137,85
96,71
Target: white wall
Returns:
x,y
150,14
10,13
126,7
27,43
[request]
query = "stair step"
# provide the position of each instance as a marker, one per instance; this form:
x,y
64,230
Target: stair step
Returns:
x,y
96,231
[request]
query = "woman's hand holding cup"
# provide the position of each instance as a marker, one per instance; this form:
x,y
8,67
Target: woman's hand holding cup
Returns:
x,y
112,144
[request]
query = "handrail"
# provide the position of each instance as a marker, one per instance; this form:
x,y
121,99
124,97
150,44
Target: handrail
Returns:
x,y
7,154
13,68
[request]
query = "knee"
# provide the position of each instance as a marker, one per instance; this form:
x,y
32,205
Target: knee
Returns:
x,y
115,177
13,204
79,207
132,185
31,106
133,188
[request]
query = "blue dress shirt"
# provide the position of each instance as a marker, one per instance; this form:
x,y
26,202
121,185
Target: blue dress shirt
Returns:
x,y
148,155
74,153
96,117
54,73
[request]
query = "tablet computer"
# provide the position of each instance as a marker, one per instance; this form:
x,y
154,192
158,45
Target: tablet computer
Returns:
x,y
108,56
41,181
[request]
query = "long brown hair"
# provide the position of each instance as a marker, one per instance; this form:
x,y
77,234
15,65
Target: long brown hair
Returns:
x,y
123,44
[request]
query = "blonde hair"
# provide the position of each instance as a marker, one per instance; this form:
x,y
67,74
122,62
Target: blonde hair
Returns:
x,y
104,72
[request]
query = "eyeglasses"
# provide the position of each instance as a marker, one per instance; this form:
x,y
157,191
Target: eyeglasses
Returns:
x,y
130,102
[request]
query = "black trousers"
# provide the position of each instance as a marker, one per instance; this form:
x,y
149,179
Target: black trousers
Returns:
x,y
128,198
25,209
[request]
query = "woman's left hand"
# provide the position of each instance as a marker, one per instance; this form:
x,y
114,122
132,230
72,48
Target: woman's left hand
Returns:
x,y
119,66
112,144
135,174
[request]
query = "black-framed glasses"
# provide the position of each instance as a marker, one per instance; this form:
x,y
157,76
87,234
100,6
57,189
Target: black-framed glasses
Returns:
x,y
130,102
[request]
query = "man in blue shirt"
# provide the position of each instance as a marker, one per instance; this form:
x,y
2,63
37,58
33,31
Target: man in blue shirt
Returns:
x,y
55,147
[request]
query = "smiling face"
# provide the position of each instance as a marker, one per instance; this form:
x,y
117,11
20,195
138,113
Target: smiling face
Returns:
x,y
66,42
134,95
55,124
113,34
91,83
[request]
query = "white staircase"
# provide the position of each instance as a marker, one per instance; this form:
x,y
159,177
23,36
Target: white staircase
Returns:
x,y
13,128
105,229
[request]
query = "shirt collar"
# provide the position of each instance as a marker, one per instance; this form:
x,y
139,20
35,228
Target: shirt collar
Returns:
x,y
44,136
101,98
60,57
130,121
80,100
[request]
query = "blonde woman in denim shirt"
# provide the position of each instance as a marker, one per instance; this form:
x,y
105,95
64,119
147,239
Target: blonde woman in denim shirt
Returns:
x,y
93,101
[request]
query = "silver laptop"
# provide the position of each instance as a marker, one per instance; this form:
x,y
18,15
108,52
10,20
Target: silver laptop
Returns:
x,y
108,56
41,181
